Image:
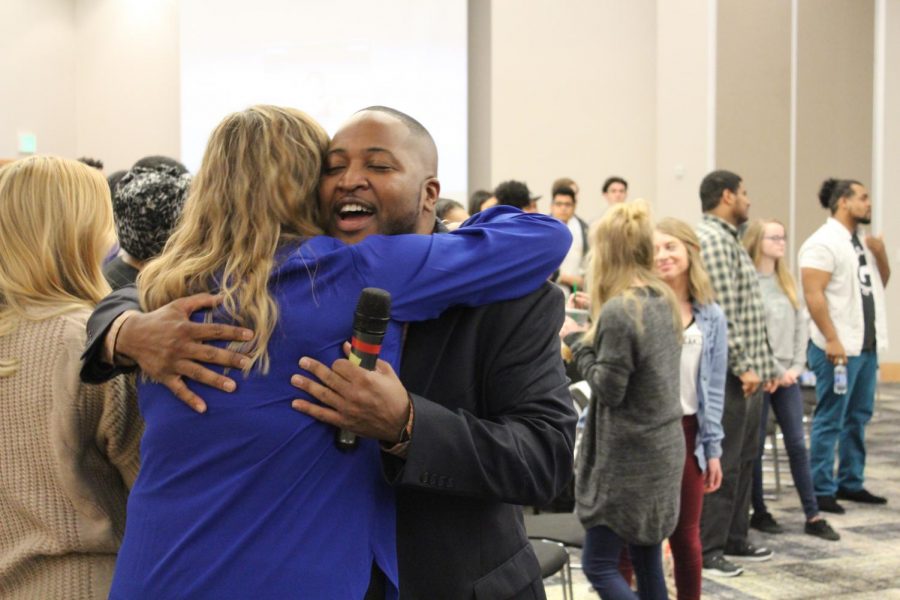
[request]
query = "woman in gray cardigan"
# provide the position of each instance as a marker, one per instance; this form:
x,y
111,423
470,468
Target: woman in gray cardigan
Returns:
x,y
628,472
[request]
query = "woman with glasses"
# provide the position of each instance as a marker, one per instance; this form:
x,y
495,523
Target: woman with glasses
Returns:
x,y
787,331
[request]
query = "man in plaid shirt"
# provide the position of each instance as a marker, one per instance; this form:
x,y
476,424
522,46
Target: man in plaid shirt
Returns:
x,y
724,523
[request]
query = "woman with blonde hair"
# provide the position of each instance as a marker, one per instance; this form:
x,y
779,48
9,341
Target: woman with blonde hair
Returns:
x,y
253,498
788,334
68,451
629,463
704,362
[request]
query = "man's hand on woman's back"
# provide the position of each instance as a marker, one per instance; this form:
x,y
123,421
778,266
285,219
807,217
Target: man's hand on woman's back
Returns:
x,y
168,347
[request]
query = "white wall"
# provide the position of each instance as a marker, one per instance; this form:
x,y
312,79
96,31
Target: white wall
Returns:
x,y
37,75
574,95
90,78
685,106
127,83
329,59
889,223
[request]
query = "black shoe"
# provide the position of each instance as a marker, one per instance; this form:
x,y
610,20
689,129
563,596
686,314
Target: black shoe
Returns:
x,y
750,552
821,529
829,504
765,522
861,495
719,566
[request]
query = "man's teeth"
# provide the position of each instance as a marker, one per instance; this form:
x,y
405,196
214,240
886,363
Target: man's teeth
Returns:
x,y
354,208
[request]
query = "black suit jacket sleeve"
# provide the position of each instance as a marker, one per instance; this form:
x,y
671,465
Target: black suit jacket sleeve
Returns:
x,y
93,370
506,431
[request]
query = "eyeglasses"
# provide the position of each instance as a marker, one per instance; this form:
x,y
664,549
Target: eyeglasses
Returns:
x,y
563,204
775,238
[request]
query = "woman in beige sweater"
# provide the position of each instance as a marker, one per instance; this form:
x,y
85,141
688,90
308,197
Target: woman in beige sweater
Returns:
x,y
68,451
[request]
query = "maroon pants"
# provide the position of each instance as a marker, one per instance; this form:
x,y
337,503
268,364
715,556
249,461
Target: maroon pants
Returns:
x,y
684,542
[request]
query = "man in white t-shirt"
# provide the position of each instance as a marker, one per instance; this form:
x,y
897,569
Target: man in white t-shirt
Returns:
x,y
843,283
562,207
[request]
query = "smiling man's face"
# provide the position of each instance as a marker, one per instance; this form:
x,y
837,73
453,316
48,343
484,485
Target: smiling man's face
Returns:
x,y
379,178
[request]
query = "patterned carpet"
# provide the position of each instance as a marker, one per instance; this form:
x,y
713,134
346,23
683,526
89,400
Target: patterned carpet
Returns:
x,y
864,564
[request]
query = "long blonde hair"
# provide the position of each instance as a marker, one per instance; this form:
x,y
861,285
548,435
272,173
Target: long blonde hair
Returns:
x,y
55,226
753,239
622,253
700,287
255,190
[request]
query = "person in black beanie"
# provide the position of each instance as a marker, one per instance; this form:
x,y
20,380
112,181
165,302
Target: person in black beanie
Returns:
x,y
147,202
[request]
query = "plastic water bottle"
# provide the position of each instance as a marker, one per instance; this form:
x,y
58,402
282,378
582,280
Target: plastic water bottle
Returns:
x,y
840,379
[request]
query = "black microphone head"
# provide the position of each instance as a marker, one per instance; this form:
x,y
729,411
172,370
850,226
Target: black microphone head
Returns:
x,y
373,311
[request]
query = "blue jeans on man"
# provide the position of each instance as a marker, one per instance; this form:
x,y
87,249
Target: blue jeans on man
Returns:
x,y
839,421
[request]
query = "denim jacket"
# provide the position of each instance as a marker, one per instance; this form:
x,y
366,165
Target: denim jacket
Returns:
x,y
711,381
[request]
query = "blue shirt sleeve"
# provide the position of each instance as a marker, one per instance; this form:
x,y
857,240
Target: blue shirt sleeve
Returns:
x,y
499,254
711,432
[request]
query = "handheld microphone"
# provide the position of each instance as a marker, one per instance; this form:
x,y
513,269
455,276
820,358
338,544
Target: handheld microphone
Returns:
x,y
370,321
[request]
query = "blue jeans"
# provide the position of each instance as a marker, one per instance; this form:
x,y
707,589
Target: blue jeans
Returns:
x,y
787,404
840,421
600,562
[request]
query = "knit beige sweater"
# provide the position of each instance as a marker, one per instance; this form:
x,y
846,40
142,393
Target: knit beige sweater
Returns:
x,y
69,452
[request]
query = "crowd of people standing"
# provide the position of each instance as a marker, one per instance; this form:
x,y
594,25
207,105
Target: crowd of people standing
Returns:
x,y
235,292
745,338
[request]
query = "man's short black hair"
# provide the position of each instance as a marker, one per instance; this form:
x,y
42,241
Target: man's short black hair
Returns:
x,y
563,182
414,126
445,205
513,193
565,191
477,199
417,129
611,180
92,162
714,185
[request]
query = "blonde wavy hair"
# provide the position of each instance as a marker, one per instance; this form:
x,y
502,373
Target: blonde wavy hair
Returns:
x,y
622,262
753,238
56,224
255,191
700,287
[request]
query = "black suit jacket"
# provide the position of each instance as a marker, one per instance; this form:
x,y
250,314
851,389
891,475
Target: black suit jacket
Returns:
x,y
494,428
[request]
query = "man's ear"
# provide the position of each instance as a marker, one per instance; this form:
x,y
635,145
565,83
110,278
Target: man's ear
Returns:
x,y
431,192
727,197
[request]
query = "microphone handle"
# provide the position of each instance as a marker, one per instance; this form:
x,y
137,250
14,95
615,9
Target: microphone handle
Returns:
x,y
364,350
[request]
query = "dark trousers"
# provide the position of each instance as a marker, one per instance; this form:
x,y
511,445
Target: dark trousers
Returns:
x,y
600,562
725,519
685,540
787,404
